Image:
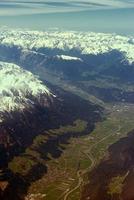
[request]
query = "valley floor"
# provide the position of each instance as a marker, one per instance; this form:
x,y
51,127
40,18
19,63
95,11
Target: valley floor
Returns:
x,y
68,174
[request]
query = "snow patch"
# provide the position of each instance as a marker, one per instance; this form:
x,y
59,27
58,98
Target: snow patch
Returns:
x,y
65,57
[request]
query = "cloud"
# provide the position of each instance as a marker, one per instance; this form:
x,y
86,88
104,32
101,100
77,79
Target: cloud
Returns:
x,y
23,7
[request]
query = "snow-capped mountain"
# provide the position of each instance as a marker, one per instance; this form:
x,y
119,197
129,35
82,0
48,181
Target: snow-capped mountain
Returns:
x,y
25,107
20,90
82,42
70,55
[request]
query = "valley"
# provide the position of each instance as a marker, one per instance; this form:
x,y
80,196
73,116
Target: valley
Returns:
x,y
82,155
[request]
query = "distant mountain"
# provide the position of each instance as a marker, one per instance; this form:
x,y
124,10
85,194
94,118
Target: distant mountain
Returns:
x,y
88,43
70,55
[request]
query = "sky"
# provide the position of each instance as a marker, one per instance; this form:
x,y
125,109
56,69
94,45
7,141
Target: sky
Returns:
x,y
85,15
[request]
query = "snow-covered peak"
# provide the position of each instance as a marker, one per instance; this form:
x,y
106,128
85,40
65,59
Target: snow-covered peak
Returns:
x,y
84,42
18,89
65,57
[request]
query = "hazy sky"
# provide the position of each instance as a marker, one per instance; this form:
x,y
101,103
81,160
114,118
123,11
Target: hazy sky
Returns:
x,y
93,15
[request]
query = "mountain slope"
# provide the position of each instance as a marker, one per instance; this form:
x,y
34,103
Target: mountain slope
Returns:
x,y
24,102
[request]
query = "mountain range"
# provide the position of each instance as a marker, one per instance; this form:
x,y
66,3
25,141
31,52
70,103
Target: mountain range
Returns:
x,y
50,83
